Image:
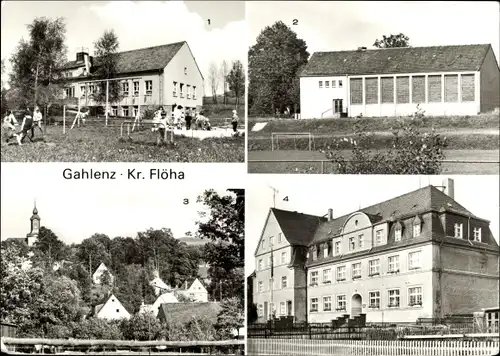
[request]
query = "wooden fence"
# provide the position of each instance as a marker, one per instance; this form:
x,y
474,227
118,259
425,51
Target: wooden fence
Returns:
x,y
372,347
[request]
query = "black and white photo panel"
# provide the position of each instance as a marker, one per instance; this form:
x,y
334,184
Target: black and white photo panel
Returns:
x,y
373,87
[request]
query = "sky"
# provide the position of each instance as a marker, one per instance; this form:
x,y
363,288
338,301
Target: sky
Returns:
x,y
138,25
347,25
345,194
75,210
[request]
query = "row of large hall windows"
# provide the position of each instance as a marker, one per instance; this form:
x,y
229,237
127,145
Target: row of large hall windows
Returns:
x,y
434,90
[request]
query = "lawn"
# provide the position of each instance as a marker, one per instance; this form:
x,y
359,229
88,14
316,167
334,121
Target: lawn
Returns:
x,y
98,143
301,164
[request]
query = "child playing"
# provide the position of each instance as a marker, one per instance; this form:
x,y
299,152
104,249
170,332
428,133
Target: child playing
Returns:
x,y
27,125
234,121
9,125
37,122
160,125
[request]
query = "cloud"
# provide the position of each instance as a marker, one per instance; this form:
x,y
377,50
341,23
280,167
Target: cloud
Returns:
x,y
145,24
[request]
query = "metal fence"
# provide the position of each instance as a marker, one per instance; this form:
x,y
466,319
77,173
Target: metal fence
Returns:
x,y
318,166
372,347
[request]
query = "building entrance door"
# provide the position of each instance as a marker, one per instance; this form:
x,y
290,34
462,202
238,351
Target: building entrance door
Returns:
x,y
289,307
356,305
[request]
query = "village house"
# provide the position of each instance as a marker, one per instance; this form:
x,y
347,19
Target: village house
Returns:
x,y
97,276
419,255
442,80
165,298
158,284
159,76
194,290
112,309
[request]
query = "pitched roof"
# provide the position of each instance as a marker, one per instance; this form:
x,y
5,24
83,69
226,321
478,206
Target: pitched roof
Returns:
x,y
397,60
297,228
182,312
141,60
423,199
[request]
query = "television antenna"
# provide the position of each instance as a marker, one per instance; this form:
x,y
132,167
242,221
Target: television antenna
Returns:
x,y
275,191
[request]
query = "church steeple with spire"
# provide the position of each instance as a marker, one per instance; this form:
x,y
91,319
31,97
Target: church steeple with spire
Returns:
x,y
35,227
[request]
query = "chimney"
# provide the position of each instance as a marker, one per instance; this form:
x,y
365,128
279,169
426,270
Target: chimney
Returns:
x,y
330,214
449,187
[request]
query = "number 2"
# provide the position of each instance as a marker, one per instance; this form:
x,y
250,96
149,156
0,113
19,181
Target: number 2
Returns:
x,y
295,22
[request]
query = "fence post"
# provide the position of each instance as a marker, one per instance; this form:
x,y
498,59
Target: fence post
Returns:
x,y
310,332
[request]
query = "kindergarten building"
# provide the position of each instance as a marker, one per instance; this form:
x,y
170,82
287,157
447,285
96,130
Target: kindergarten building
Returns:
x,y
442,80
161,75
418,255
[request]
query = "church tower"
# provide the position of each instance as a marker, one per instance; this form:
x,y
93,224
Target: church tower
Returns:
x,y
35,227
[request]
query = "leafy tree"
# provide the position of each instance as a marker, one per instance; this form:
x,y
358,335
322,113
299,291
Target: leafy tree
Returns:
x,y
274,62
236,81
105,50
95,328
200,327
142,327
48,248
225,229
223,75
106,278
93,251
230,318
411,152
38,62
252,314
392,41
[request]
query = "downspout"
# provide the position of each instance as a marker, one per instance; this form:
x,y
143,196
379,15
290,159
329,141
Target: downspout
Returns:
x,y
468,232
441,279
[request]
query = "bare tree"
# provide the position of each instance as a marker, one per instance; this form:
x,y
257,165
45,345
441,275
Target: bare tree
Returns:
x,y
224,71
213,78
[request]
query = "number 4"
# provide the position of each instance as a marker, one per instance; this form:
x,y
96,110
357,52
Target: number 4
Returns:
x,y
285,198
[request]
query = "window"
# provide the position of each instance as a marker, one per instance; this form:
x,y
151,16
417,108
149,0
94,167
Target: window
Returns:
x,y
334,83
279,237
181,90
114,111
263,243
378,237
477,234
341,273
325,252
261,310
467,87
374,267
315,252
434,88
327,276
418,89
337,248
458,230
282,308
352,244
393,298
125,112
284,257
175,89
397,234
341,302
284,282
414,260
136,110
260,265
314,278
188,91
451,88
117,310
402,90
261,285
416,230
393,264
360,241
356,270
82,90
340,83
271,241
91,89
314,304
374,298
149,87
387,90
371,90
320,84
125,88
194,92
414,296
327,84
327,303
136,88
356,91
185,70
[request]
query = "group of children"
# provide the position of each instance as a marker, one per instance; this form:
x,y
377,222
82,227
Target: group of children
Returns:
x,y
30,122
190,118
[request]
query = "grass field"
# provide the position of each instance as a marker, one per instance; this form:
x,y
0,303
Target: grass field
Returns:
x,y
98,143
269,166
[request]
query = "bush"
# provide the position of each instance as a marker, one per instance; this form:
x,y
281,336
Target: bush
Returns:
x,y
200,327
230,318
142,327
95,328
410,152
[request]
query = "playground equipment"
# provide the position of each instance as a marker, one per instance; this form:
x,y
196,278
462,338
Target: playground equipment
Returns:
x,y
285,135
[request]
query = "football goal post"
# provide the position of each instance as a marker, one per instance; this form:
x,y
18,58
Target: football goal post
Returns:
x,y
290,140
